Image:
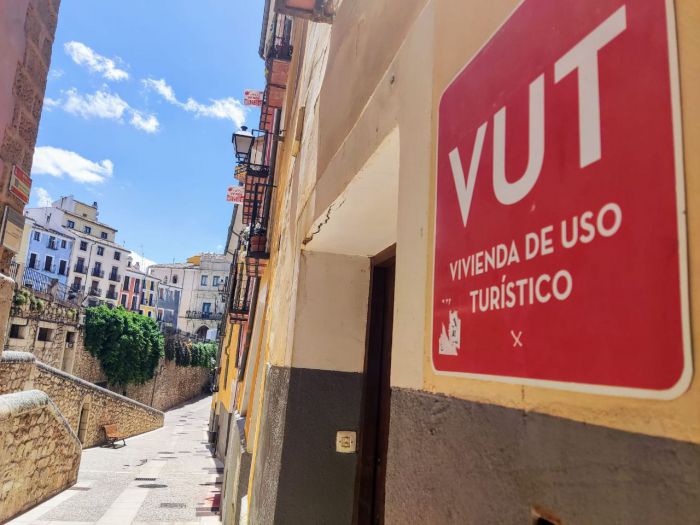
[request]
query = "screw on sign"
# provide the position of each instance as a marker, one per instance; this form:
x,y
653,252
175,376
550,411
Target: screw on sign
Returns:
x,y
560,234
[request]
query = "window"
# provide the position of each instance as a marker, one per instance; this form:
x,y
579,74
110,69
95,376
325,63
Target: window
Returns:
x,y
137,282
63,268
206,307
32,261
17,331
126,282
70,337
83,245
123,301
100,250
174,279
48,263
152,285
87,229
117,256
215,280
45,334
70,224
150,314
204,280
103,235
63,243
165,280
37,236
134,300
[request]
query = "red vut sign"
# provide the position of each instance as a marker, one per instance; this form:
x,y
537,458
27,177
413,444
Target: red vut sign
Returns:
x,y
559,236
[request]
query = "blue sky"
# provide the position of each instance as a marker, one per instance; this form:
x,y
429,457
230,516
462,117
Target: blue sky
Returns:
x,y
140,105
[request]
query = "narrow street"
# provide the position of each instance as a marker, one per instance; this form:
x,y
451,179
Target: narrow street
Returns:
x,y
164,476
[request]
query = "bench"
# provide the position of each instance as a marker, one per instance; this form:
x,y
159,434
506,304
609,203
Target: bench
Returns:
x,y
113,435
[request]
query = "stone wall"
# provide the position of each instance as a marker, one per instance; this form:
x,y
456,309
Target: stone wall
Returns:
x,y
172,385
39,453
87,366
86,407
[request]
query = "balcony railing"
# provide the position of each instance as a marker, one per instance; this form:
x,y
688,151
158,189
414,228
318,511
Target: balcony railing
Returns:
x,y
46,286
76,288
80,268
96,272
240,298
115,277
256,206
111,294
95,292
196,314
52,245
281,45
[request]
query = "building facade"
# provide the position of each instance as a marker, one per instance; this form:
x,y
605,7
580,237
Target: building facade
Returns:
x,y
98,263
27,40
369,387
203,279
48,252
131,286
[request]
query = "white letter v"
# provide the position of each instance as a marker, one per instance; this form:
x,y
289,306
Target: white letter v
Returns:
x,y
465,191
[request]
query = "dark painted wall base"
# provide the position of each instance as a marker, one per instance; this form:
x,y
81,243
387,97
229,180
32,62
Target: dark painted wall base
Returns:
x,y
455,461
303,411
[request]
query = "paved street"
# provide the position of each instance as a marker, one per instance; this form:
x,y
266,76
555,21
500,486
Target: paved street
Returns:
x,y
164,476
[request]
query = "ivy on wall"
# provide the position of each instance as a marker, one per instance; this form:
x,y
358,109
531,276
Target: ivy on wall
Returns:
x,y
187,353
127,344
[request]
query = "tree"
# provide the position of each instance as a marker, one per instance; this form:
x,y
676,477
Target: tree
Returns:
x,y
128,345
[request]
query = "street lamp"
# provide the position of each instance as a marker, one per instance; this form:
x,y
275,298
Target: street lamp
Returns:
x,y
242,144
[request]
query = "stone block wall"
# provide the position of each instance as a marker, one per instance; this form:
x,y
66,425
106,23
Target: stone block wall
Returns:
x,y
86,407
87,366
172,385
39,452
16,370
95,406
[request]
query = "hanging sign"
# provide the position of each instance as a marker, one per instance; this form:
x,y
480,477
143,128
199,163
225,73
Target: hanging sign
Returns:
x,y
235,194
560,236
12,227
20,184
252,97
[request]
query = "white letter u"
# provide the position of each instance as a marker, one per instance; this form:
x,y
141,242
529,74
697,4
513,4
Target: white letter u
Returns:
x,y
511,192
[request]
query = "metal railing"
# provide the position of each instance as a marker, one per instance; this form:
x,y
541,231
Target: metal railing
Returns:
x,y
95,292
96,272
112,294
113,276
80,268
52,245
196,314
240,298
256,206
281,46
47,286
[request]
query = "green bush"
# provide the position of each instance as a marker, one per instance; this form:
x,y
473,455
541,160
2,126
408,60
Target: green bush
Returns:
x,y
203,354
127,344
183,355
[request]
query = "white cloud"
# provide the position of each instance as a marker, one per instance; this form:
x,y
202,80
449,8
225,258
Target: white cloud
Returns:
x,y
59,162
147,123
85,56
162,88
101,104
43,199
223,108
56,73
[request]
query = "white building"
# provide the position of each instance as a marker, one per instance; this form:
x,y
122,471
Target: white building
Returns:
x,y
203,279
97,263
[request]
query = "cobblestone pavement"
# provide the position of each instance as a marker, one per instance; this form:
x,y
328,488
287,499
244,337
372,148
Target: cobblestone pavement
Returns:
x,y
167,476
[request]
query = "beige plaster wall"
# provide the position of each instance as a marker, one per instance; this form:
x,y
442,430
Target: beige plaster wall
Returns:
x,y
39,453
433,44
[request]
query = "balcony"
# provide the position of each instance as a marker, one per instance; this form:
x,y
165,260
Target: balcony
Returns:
x,y
211,316
112,294
113,276
239,307
80,268
52,245
76,288
256,213
95,292
97,272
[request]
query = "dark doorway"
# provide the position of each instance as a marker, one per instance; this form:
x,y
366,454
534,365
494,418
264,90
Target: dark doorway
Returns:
x,y
374,433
